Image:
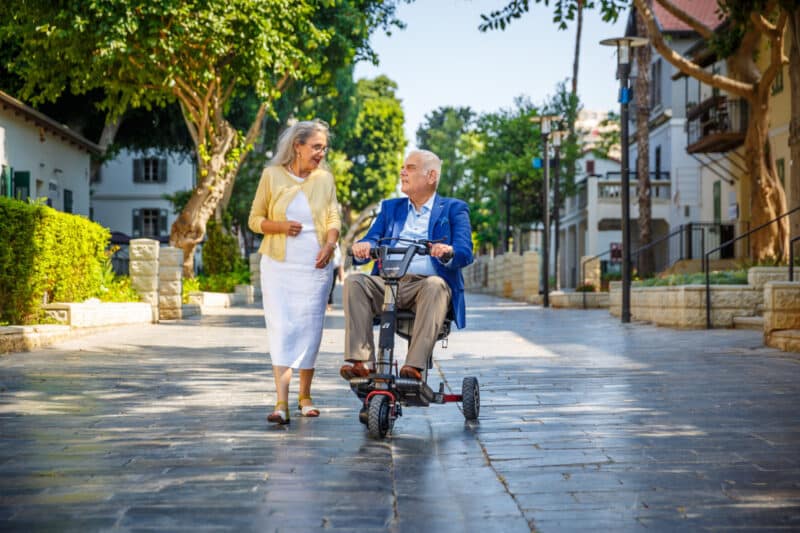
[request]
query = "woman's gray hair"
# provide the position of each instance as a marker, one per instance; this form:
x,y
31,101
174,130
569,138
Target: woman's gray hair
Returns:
x,y
299,132
430,161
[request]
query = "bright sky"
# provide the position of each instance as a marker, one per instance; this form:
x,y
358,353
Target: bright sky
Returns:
x,y
441,58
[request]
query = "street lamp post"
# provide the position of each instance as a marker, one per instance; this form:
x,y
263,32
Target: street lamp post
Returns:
x,y
624,45
508,212
545,122
556,201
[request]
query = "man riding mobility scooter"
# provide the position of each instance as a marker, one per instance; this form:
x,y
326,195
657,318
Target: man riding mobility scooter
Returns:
x,y
384,392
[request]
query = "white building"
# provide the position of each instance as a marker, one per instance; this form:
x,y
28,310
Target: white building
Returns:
x,y
128,195
40,158
699,193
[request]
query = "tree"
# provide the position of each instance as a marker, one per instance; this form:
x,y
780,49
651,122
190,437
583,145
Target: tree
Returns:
x,y
374,146
442,133
750,21
794,124
504,143
198,53
646,259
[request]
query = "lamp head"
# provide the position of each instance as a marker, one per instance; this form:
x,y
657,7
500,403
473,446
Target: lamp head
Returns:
x,y
624,45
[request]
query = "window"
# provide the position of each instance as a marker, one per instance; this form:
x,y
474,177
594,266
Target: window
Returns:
x,y
655,84
67,201
780,167
150,170
777,85
657,157
717,202
590,167
150,223
22,185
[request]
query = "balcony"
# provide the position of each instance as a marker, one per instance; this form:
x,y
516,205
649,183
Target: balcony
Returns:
x,y
611,187
716,125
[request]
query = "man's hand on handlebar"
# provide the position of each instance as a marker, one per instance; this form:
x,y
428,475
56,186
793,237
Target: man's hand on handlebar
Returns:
x,y
443,251
361,250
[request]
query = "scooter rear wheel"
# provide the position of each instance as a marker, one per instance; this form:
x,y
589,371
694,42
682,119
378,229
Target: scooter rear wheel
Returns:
x,y
379,411
470,398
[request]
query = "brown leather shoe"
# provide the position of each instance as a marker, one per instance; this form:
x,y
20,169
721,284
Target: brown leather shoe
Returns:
x,y
410,372
356,370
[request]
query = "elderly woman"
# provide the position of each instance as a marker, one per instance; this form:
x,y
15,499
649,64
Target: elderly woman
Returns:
x,y
295,208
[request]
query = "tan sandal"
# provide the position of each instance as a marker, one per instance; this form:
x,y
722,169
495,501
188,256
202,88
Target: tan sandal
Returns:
x,y
279,416
307,410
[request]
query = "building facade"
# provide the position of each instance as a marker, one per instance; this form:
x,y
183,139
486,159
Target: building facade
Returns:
x,y
43,160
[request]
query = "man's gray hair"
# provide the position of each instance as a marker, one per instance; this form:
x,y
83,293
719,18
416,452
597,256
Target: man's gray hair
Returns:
x,y
430,161
300,132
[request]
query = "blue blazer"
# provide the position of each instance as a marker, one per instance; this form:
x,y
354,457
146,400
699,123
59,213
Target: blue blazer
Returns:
x,y
450,221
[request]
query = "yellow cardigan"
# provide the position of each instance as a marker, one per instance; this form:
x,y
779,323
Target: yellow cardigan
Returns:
x,y
275,192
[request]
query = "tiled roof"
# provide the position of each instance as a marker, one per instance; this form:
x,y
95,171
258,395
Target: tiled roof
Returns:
x,y
705,11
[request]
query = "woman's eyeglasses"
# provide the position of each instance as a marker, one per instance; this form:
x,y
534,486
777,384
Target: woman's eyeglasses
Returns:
x,y
320,148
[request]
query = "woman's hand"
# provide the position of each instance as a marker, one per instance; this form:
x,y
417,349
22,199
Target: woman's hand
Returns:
x,y
325,254
292,228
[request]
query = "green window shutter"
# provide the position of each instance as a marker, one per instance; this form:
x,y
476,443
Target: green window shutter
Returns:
x,y
67,201
137,223
163,231
22,185
6,182
162,170
138,170
717,202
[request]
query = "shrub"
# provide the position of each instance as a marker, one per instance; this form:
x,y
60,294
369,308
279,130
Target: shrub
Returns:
x,y
224,282
114,288
46,254
190,285
586,287
220,251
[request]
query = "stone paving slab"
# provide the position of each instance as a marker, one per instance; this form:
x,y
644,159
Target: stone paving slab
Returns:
x,y
585,423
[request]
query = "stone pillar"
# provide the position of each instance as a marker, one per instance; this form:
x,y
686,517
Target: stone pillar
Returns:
x,y
255,274
170,284
530,276
143,269
591,270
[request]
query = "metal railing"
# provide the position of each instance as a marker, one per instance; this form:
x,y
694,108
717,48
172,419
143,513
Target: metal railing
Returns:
x,y
791,257
684,228
707,272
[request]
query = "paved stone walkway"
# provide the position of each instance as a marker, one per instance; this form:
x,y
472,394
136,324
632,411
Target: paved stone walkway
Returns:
x,y
585,424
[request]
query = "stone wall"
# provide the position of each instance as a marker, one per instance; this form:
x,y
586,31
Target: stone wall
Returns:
x,y
781,305
510,276
684,306
255,274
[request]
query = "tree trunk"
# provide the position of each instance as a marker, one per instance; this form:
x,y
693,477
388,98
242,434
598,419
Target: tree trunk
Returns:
x,y
793,178
645,259
107,136
214,174
768,200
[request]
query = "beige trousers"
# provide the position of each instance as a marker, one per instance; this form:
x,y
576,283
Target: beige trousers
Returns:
x,y
427,296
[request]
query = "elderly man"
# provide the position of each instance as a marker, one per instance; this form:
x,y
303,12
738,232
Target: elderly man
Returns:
x,y
434,284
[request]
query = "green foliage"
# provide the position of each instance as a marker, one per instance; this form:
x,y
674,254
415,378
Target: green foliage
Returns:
x,y
226,282
178,199
46,254
189,286
722,277
114,288
375,145
220,251
609,136
445,132
563,12
586,287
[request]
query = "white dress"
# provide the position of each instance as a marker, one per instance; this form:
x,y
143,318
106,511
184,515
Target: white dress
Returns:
x,y
295,293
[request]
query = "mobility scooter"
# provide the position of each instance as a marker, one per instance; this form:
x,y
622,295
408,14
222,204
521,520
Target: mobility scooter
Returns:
x,y
384,392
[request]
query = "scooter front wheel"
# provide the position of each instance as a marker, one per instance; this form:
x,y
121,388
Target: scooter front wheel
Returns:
x,y
379,421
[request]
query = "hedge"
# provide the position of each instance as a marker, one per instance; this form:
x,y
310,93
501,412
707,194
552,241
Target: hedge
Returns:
x,y
46,254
